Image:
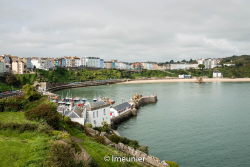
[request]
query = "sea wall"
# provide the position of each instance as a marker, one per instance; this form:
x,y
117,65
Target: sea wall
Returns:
x,y
123,117
146,100
47,86
148,159
133,112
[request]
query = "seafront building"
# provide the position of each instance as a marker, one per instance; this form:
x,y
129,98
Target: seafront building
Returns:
x,y
96,63
120,109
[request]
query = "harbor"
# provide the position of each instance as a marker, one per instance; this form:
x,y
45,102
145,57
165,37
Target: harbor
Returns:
x,y
101,110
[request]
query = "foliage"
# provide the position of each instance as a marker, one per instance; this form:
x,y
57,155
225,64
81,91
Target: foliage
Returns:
x,y
62,154
201,66
10,79
30,93
24,79
19,127
46,112
105,128
13,104
172,164
118,139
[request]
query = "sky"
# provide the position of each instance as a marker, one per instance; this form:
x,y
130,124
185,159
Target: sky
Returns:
x,y
127,30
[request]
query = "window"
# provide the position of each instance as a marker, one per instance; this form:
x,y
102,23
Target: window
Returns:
x,y
93,114
104,112
97,113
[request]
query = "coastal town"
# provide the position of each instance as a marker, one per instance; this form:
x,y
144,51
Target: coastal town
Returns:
x,y
21,65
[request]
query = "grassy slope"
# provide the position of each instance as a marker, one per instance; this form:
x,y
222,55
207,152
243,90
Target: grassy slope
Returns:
x,y
31,148
98,151
25,149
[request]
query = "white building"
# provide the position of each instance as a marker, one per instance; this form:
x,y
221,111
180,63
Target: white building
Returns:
x,y
183,66
97,113
92,62
209,63
184,76
41,63
120,109
17,67
2,67
217,74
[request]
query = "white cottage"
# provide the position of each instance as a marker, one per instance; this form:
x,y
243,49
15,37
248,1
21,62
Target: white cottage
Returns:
x,y
120,109
98,112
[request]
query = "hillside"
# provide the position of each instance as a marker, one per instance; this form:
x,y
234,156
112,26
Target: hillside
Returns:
x,y
241,68
33,137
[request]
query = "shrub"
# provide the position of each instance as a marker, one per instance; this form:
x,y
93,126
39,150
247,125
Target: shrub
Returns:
x,y
114,138
118,139
12,104
46,112
19,127
62,154
172,164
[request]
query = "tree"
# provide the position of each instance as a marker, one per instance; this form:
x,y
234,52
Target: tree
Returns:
x,y
30,92
10,79
201,66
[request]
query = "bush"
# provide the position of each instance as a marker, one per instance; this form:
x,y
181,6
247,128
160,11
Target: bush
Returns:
x,y
19,127
46,112
12,104
172,164
118,139
62,154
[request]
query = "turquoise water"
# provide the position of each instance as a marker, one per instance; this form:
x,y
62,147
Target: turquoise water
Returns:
x,y
196,125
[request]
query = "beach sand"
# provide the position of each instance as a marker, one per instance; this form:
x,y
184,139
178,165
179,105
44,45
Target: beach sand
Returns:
x,y
187,80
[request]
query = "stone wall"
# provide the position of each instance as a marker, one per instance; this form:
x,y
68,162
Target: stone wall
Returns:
x,y
123,117
146,100
148,159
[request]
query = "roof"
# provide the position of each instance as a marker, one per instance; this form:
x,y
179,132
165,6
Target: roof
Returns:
x,y
73,115
98,104
122,106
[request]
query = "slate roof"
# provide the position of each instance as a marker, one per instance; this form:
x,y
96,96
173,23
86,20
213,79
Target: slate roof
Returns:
x,y
97,105
122,106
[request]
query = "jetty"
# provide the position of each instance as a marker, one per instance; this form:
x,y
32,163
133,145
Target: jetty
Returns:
x,y
137,102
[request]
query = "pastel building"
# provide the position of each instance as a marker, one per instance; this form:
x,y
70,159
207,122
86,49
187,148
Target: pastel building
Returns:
x,y
17,67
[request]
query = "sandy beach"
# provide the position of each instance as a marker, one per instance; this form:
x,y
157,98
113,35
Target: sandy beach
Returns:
x,y
187,80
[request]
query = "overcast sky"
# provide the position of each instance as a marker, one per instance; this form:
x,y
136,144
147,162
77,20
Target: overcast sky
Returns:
x,y
127,30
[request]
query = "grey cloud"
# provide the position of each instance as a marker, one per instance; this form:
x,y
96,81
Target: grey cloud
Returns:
x,y
127,30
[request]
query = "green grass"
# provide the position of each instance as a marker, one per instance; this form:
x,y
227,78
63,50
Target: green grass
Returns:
x,y
27,149
14,117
